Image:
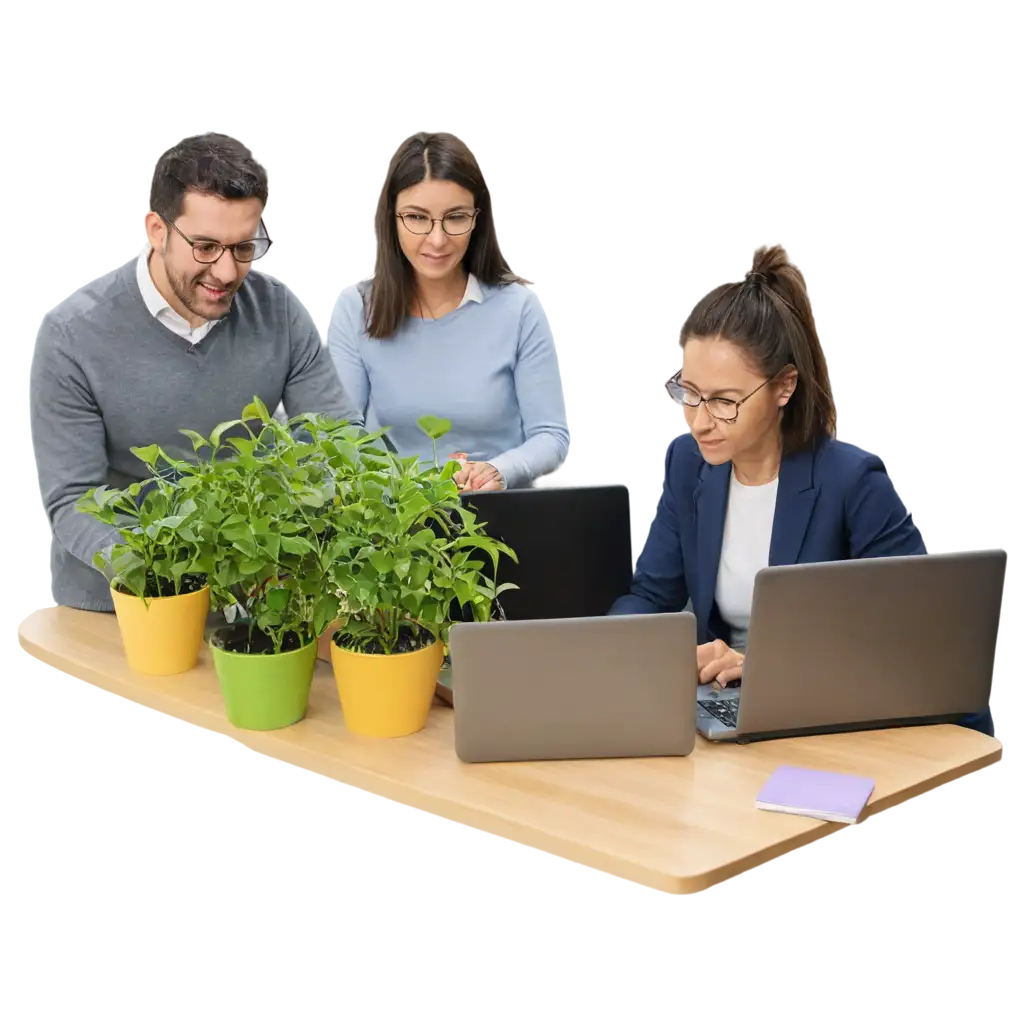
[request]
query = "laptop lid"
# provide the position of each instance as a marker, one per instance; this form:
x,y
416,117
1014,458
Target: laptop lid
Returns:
x,y
871,642
1008,671
614,686
573,546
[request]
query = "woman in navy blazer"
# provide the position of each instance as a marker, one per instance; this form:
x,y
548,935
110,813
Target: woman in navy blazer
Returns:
x,y
760,479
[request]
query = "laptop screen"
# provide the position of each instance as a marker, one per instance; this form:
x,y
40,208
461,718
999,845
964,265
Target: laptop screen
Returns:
x,y
573,546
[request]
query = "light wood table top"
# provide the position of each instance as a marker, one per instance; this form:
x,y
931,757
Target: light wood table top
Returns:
x,y
676,824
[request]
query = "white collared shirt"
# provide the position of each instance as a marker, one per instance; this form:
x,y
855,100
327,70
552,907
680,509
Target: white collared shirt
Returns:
x,y
473,291
159,307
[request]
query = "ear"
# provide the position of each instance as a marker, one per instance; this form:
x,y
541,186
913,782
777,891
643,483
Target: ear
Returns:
x,y
786,385
156,231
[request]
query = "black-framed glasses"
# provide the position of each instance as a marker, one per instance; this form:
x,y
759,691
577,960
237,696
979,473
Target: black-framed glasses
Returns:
x,y
725,409
458,222
205,250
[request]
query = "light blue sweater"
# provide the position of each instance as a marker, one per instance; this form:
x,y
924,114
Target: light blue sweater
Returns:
x,y
490,367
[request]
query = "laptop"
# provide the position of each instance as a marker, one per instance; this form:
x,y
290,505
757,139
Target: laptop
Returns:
x,y
573,548
550,689
1008,671
863,644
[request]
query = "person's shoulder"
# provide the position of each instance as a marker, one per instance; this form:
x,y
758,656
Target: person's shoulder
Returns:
x,y
842,459
264,288
87,294
90,300
510,295
845,469
508,291
351,305
269,309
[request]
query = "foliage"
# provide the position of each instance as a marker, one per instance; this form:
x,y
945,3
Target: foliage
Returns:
x,y
296,524
265,490
407,549
162,540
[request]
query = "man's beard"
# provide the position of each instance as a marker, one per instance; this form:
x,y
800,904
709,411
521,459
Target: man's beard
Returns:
x,y
186,290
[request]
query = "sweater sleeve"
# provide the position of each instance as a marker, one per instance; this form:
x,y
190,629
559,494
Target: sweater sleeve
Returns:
x,y
343,343
538,387
69,442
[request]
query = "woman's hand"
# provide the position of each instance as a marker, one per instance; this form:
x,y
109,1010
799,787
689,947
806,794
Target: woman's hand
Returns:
x,y
479,476
718,664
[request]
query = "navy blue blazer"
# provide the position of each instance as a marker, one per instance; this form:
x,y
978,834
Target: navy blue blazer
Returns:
x,y
833,502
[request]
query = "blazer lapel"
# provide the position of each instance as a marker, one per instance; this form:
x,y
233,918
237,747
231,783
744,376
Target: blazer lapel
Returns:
x,y
710,498
793,506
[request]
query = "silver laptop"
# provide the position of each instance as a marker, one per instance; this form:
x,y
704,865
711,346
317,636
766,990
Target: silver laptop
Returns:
x,y
607,686
863,644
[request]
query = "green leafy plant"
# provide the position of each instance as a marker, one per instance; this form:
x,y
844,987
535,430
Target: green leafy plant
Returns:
x,y
404,550
264,490
295,525
161,531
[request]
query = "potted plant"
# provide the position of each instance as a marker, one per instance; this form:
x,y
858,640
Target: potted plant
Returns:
x,y
161,597
264,492
404,548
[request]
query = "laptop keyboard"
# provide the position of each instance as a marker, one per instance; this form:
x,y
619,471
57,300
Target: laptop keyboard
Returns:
x,y
724,710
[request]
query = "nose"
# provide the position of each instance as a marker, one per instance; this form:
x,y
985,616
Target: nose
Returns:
x,y
437,235
225,269
702,410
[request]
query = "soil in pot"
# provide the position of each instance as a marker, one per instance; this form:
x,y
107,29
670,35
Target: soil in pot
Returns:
x,y
238,639
410,638
190,584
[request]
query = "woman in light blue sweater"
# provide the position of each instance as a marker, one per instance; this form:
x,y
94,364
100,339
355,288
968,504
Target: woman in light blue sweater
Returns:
x,y
445,328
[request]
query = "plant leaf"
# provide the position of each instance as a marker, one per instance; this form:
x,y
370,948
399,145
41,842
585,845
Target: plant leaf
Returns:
x,y
433,426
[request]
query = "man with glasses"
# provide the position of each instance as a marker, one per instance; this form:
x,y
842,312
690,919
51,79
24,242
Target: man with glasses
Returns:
x,y
182,337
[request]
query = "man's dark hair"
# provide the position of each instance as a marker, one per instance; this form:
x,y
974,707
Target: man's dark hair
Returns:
x,y
212,165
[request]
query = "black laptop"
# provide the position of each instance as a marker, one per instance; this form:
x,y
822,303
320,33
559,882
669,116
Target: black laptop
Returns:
x,y
572,544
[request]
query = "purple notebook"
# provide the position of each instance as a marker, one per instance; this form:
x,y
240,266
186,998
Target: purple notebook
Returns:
x,y
828,795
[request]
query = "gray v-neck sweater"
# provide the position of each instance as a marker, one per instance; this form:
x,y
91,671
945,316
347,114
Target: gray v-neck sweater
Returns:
x,y
107,376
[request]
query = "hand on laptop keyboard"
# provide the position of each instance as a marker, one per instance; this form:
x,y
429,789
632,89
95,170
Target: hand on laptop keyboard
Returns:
x,y
719,664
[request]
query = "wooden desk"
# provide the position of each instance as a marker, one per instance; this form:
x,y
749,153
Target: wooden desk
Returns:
x,y
676,824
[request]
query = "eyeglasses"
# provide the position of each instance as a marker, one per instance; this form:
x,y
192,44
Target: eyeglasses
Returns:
x,y
725,409
459,222
206,251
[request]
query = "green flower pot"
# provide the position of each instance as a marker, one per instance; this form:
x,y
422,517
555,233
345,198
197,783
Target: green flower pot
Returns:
x,y
265,691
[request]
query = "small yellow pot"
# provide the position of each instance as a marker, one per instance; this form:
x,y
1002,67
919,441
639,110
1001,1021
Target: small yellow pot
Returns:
x,y
162,635
386,695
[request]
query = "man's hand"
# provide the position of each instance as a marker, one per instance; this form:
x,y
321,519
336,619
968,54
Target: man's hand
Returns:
x,y
718,664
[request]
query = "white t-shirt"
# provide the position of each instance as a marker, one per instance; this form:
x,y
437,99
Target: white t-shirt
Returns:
x,y
746,542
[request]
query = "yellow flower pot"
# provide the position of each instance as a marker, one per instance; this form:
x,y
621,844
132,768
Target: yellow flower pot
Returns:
x,y
162,635
386,695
